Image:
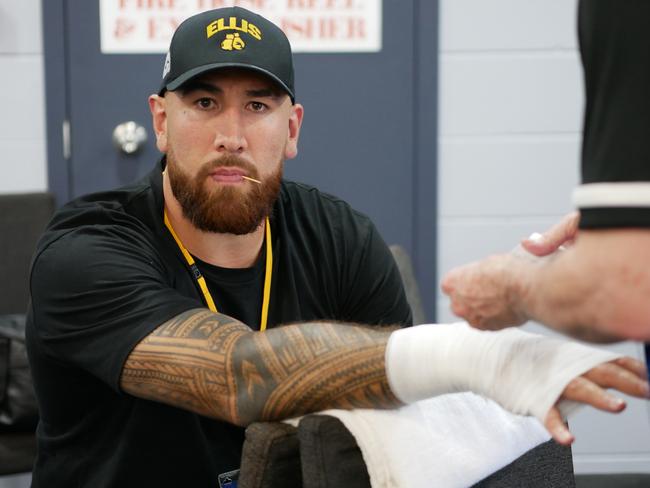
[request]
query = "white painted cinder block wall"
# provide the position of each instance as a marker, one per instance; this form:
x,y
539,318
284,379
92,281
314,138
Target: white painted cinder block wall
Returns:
x,y
22,115
22,98
510,119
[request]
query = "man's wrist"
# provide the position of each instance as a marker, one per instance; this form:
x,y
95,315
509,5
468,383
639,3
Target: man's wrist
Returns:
x,y
521,286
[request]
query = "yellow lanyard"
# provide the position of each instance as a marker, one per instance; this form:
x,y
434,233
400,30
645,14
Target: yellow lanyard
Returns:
x,y
204,286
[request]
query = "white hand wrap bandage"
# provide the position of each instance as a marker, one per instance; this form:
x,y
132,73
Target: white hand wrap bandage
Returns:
x,y
523,372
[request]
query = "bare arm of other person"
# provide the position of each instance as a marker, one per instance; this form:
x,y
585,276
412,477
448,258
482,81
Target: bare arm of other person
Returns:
x,y
214,365
596,290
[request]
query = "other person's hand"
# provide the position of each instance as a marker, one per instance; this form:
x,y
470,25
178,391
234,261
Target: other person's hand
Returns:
x,y
625,374
486,293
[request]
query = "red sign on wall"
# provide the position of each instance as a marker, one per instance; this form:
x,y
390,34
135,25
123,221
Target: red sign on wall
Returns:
x,y
146,26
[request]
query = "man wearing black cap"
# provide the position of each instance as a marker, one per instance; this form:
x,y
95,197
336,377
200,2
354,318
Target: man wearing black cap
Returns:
x,y
211,233
142,375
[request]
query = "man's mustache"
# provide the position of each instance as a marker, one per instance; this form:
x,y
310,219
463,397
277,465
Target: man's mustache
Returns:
x,y
230,161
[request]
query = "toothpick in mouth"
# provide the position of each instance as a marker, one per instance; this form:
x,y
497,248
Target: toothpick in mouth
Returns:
x,y
252,179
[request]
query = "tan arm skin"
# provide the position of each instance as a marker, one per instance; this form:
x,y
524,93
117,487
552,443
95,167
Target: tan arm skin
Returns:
x,y
597,290
216,366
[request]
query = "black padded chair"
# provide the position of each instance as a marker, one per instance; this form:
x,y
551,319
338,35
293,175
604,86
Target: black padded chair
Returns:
x,y
405,266
22,220
322,453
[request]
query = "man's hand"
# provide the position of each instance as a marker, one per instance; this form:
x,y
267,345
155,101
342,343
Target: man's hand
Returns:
x,y
490,294
624,374
487,293
596,290
525,373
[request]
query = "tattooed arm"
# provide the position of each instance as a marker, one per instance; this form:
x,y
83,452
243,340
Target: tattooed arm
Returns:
x,y
216,366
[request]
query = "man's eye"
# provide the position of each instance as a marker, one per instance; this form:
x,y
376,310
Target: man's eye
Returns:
x,y
257,106
205,103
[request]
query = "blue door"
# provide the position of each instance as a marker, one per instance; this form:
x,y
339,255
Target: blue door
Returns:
x,y
369,134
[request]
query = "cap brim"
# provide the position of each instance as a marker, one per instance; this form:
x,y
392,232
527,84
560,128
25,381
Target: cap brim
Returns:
x,y
188,75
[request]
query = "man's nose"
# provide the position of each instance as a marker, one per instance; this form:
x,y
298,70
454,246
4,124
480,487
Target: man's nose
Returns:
x,y
229,136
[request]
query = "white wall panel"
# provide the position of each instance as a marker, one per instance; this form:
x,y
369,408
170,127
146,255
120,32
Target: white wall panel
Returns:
x,y
20,27
22,119
479,25
492,176
510,93
22,98
22,166
475,238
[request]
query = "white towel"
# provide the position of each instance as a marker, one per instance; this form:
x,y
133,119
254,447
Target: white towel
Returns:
x,y
451,440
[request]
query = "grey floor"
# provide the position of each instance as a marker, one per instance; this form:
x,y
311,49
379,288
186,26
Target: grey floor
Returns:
x,y
16,481
582,481
613,481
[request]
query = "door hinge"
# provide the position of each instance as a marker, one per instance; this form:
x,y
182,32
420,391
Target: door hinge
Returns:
x,y
65,132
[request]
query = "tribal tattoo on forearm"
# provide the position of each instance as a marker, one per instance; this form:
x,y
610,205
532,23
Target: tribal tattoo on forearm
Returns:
x,y
216,366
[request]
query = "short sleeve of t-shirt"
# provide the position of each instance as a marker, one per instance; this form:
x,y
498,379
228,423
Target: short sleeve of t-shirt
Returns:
x,y
615,49
97,291
332,263
374,285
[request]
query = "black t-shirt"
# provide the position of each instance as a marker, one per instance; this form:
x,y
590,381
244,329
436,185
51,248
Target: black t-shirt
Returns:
x,y
615,48
107,272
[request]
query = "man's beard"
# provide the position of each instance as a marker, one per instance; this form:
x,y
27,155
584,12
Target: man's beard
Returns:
x,y
228,209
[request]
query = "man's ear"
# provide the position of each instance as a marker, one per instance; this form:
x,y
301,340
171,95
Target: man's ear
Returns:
x,y
159,121
295,122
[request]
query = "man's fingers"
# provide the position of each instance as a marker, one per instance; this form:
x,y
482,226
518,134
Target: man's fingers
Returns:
x,y
485,293
561,233
582,390
637,367
538,245
459,310
447,284
458,277
624,375
557,428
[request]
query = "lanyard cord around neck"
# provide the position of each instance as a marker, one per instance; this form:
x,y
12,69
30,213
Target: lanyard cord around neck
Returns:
x,y
204,286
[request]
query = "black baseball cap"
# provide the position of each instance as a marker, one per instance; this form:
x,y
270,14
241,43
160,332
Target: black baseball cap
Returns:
x,y
225,38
